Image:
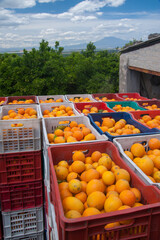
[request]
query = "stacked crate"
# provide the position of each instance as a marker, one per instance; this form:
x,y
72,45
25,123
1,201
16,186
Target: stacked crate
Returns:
x,y
21,186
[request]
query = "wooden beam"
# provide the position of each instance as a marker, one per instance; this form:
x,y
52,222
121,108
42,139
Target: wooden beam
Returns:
x,y
144,70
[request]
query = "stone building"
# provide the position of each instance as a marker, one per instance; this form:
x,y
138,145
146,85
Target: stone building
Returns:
x,y
140,68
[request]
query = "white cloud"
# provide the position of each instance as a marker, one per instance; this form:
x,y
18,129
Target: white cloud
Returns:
x,y
17,3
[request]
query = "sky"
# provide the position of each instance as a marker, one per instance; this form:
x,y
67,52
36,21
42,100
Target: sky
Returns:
x,y
24,23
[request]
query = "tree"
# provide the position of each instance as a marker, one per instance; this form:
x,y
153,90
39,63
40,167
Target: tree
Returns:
x,y
90,50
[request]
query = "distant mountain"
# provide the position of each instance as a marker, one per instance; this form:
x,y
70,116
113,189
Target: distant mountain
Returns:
x,y
105,43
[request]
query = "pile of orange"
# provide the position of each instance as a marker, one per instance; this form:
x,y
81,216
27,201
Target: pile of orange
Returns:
x,y
150,122
28,101
92,109
133,99
119,108
59,111
51,100
80,99
20,113
74,132
117,128
93,185
147,161
152,107
105,99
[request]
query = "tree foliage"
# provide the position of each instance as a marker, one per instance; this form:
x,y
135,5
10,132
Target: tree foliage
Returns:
x,y
47,72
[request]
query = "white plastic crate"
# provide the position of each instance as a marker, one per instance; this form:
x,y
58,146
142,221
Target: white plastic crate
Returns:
x,y
19,139
50,106
38,236
6,108
124,144
79,96
22,222
47,97
46,167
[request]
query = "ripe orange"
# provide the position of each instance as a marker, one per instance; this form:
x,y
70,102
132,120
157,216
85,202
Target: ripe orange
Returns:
x,y
154,143
129,154
121,185
112,225
91,174
101,169
65,193
138,150
78,166
78,156
156,176
58,132
108,178
90,211
96,199
84,186
122,174
82,196
95,156
112,203
72,214
95,185
146,165
59,139
72,203
105,161
63,163
78,135
61,173
90,137
125,222
72,175
73,124
63,185
137,193
127,197
113,193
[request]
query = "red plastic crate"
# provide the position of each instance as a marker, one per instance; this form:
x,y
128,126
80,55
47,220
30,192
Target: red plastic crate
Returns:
x,y
1,227
100,105
146,218
110,96
131,95
139,114
20,167
149,103
21,196
3,99
11,98
46,199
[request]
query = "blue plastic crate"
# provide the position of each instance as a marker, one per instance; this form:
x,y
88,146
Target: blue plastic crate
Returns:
x,y
125,104
117,116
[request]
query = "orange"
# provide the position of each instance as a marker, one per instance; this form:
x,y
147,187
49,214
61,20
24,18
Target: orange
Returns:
x,y
95,185
112,225
74,186
71,175
122,174
95,165
101,169
112,203
113,193
85,131
90,211
129,154
65,193
154,143
59,139
151,178
78,135
82,196
137,204
156,162
146,165
105,161
78,156
111,188
86,205
88,160
67,134
88,166
84,186
91,174
121,185
12,114
32,112
63,185
108,122
90,137
78,166
97,123
96,199
95,156
73,124
61,173
127,197
138,150
108,178
137,193
46,112
63,163
71,139
156,176
21,111
58,132
50,137
72,214
72,203
114,168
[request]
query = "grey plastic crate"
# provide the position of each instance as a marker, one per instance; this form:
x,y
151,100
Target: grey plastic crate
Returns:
x,y
79,96
49,106
54,97
22,222
38,236
124,144
19,139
